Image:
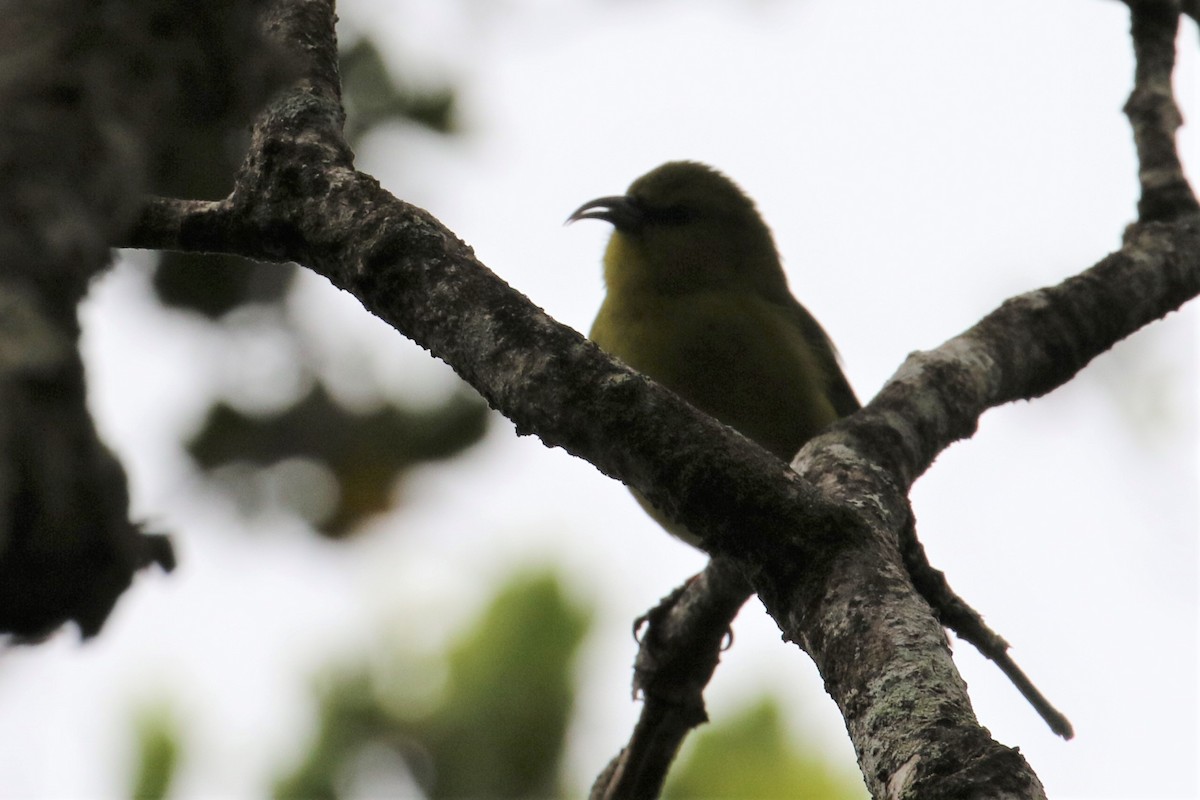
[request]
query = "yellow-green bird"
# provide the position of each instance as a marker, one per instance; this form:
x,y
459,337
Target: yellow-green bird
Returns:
x,y
697,299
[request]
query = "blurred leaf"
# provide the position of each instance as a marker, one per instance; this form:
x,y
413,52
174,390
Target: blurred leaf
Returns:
x,y
498,731
501,730
350,716
371,95
365,452
202,165
752,756
214,285
158,755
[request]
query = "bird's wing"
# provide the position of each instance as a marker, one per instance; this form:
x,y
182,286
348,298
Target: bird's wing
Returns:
x,y
840,394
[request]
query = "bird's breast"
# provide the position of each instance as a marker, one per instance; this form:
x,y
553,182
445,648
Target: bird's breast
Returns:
x,y
738,357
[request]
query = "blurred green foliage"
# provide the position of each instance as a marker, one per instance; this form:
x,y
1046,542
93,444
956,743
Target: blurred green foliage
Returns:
x,y
372,95
157,754
213,285
752,756
498,728
490,719
365,453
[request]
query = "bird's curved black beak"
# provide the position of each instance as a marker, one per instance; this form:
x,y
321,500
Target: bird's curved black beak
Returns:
x,y
621,210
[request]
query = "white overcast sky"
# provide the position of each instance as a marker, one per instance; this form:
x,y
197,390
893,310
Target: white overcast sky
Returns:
x,y
918,162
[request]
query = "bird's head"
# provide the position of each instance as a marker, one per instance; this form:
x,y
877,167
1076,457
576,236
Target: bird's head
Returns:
x,y
685,227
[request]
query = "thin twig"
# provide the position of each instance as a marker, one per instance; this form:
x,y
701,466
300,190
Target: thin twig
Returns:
x,y
968,625
1154,115
679,650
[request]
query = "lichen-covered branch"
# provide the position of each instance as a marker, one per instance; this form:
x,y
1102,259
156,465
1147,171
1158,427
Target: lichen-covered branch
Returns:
x,y
1027,347
1038,341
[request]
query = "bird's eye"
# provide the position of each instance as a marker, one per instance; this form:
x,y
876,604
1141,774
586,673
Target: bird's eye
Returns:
x,y
672,215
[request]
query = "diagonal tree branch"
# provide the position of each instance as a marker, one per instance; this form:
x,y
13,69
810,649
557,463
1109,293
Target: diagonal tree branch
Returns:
x,y
819,544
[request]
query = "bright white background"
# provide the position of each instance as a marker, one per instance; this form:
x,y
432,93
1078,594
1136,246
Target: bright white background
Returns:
x,y
918,161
